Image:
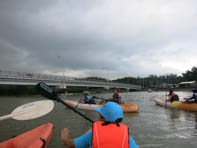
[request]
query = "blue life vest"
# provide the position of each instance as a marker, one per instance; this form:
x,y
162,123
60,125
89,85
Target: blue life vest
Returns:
x,y
88,98
195,95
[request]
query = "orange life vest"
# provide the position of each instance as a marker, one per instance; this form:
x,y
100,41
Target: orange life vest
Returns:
x,y
110,136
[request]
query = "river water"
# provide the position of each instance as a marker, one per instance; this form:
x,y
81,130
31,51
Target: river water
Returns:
x,y
152,127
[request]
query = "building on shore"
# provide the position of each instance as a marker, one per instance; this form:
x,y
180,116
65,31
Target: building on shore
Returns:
x,y
188,84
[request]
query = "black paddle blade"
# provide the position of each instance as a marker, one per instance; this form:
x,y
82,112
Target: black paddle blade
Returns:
x,y
46,91
49,93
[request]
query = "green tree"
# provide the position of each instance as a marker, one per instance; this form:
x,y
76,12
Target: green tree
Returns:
x,y
190,75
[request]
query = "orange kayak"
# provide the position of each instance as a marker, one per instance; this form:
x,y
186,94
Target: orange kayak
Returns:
x,y
35,138
127,108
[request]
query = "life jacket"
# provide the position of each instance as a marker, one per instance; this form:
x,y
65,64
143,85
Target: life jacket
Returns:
x,y
88,98
173,94
195,95
174,97
110,135
117,96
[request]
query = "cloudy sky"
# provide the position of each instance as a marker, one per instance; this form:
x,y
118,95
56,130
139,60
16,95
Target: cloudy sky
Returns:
x,y
98,37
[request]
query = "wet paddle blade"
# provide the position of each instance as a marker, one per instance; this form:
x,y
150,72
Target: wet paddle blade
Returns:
x,y
46,91
31,110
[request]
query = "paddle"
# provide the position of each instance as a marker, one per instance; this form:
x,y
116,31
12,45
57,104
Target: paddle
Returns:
x,y
49,93
30,110
166,100
99,98
78,102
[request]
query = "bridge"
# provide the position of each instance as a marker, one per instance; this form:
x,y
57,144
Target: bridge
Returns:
x,y
22,78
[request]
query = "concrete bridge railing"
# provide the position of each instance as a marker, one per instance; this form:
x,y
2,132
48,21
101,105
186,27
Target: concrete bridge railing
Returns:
x,y
21,78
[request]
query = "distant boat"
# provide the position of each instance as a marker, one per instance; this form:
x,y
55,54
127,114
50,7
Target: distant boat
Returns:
x,y
149,90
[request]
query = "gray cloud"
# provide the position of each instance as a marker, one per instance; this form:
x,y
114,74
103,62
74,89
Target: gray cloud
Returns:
x,y
87,37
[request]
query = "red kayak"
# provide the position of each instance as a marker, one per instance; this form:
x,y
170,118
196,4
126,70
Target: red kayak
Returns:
x,y
35,138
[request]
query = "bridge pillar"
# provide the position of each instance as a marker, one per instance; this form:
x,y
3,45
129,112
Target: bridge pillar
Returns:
x,y
107,87
63,86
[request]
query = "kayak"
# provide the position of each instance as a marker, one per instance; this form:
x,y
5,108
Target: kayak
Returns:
x,y
127,108
180,105
35,138
161,102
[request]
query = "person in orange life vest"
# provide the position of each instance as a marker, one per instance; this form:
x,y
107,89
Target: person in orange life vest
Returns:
x,y
172,96
106,133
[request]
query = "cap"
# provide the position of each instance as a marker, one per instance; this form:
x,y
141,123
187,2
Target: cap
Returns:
x,y
111,111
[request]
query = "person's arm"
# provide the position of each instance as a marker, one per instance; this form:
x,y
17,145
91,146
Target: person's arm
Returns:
x,y
192,97
119,97
114,97
169,97
83,141
85,99
186,99
132,143
66,140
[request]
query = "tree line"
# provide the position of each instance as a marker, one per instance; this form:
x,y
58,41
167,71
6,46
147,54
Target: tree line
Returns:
x,y
155,80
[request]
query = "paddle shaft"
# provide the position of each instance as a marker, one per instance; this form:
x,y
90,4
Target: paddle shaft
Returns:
x,y
13,114
6,117
166,96
78,102
166,100
99,98
76,111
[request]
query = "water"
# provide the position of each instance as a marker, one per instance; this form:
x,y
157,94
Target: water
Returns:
x,y
152,127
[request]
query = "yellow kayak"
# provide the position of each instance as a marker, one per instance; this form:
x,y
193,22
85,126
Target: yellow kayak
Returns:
x,y
177,104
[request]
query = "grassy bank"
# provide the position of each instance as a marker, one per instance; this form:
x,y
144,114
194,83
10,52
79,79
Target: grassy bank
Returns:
x,y
17,90
9,90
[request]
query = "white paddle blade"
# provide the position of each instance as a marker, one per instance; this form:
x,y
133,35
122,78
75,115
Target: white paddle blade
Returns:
x,y
33,110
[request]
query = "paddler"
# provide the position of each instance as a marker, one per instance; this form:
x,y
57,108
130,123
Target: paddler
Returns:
x,y
106,133
172,96
88,99
192,99
116,96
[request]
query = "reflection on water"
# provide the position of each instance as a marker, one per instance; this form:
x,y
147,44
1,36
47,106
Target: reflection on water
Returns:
x,y
152,127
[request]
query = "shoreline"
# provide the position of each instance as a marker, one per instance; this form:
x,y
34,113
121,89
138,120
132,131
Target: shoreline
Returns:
x,y
10,90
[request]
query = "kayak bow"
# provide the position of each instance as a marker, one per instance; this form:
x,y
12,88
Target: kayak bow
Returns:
x,y
35,138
